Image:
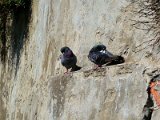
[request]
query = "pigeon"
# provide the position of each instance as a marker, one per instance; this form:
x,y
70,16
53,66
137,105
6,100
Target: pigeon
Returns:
x,y
100,56
68,59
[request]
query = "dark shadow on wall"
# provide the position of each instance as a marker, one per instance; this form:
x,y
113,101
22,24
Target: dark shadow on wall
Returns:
x,y
13,36
3,39
147,111
20,28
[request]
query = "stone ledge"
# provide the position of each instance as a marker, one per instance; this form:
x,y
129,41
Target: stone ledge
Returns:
x,y
112,92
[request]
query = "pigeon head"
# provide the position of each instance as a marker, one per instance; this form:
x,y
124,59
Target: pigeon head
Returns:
x,y
100,47
65,49
97,48
67,52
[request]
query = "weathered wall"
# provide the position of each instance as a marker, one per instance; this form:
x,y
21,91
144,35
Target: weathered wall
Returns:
x,y
38,90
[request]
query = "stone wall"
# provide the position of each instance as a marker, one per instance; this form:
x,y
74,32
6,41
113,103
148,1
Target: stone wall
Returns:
x,y
36,88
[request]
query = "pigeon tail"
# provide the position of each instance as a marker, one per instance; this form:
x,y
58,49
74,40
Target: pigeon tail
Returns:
x,y
75,68
116,60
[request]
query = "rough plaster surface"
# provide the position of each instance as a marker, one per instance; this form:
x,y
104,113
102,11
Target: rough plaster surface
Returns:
x,y
39,91
100,95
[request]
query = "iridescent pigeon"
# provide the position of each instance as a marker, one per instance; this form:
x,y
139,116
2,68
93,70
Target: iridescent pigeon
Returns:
x,y
68,59
100,56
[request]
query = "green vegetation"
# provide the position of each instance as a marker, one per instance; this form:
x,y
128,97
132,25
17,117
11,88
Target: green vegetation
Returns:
x,y
8,3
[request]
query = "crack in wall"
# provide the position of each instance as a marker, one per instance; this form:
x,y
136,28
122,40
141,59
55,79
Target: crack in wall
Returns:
x,y
149,106
147,111
148,20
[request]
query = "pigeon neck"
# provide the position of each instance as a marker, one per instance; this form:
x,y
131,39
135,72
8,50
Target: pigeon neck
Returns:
x,y
69,54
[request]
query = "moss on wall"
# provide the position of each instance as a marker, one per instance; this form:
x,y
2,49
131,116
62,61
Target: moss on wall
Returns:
x,y
13,2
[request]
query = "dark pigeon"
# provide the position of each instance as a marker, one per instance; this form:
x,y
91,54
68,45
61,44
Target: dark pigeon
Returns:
x,y
100,56
68,59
